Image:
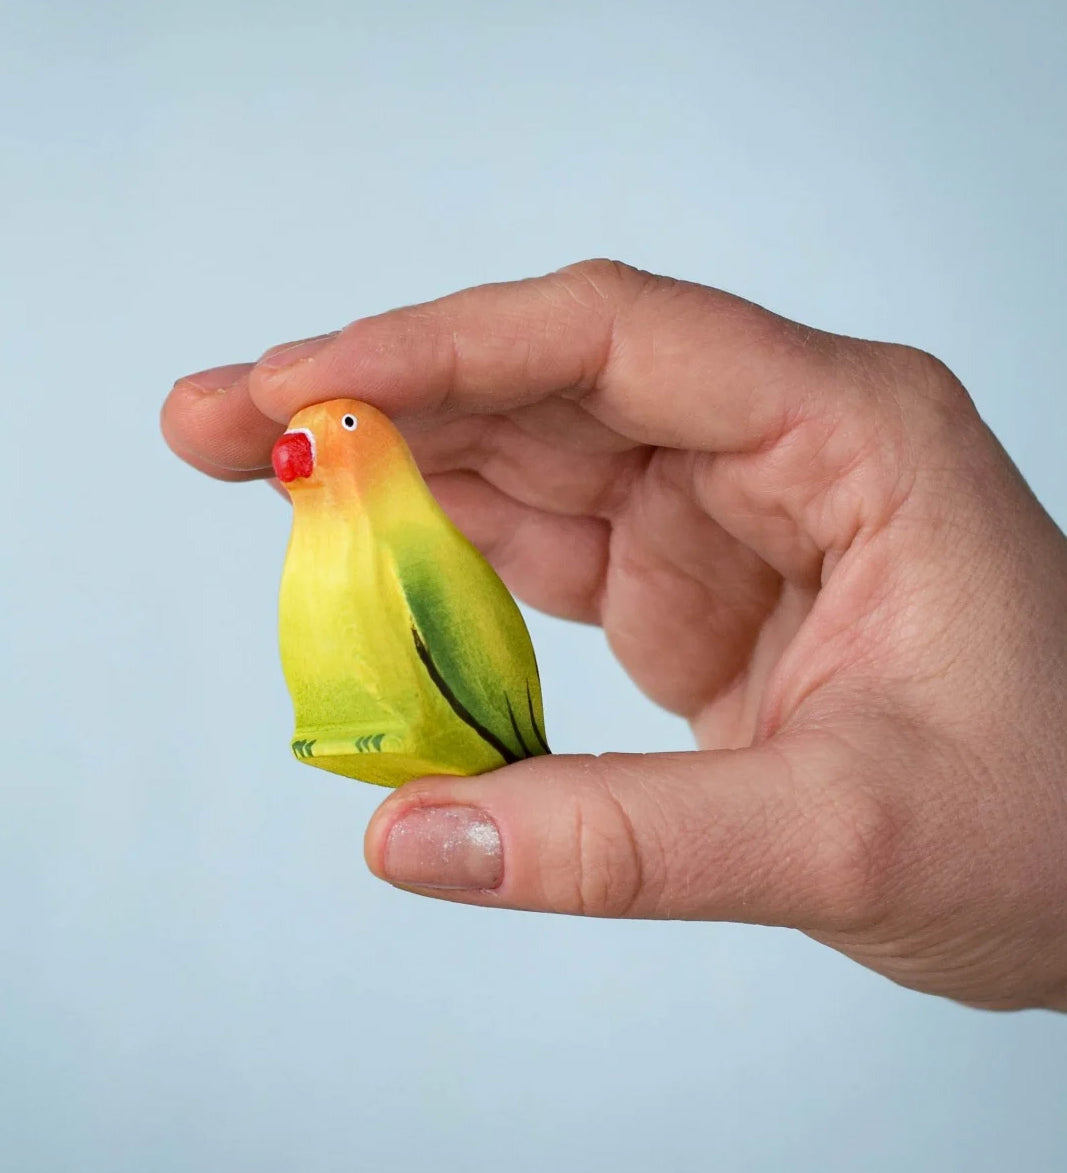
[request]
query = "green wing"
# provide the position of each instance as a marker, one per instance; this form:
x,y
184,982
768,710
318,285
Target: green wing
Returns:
x,y
471,639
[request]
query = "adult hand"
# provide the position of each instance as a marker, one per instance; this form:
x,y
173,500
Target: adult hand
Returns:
x,y
808,545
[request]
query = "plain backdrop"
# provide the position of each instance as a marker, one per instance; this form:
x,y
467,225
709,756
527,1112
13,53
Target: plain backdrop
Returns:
x,y
196,970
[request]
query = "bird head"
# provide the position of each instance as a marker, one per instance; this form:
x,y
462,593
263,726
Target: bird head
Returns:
x,y
342,440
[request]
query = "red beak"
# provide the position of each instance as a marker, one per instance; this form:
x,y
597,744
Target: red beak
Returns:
x,y
293,456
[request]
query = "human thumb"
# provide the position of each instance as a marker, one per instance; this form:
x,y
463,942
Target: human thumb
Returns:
x,y
724,835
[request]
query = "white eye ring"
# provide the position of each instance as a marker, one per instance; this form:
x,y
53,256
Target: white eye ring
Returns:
x,y
349,423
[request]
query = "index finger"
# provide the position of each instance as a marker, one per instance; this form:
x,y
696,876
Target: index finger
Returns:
x,y
661,361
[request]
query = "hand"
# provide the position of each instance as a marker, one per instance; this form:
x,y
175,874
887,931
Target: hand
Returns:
x,y
808,545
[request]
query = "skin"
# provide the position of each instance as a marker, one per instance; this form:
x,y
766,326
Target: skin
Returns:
x,y
808,545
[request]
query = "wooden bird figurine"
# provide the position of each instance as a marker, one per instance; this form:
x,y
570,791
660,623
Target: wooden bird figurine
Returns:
x,y
404,653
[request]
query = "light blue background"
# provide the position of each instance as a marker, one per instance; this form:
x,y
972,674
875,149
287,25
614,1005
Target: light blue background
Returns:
x,y
196,971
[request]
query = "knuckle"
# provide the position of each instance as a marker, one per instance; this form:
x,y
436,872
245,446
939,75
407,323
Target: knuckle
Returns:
x,y
921,377
596,291
857,854
603,280
607,876
945,436
925,370
603,268
903,423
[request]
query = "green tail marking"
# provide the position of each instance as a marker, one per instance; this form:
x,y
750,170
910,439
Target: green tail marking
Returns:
x,y
370,743
302,749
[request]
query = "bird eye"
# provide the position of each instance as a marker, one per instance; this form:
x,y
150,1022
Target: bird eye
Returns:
x,y
349,422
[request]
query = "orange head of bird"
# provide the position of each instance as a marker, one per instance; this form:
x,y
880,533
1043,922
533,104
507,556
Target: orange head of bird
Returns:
x,y
340,442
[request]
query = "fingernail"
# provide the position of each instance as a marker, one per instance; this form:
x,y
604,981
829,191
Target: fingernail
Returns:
x,y
444,847
291,352
215,380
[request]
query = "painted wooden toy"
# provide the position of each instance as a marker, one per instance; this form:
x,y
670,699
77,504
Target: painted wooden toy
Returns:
x,y
404,653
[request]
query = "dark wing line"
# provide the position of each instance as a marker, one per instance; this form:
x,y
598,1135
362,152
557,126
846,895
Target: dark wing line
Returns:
x,y
515,726
533,720
457,706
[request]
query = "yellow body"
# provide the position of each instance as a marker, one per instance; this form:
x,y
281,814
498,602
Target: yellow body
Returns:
x,y
404,653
